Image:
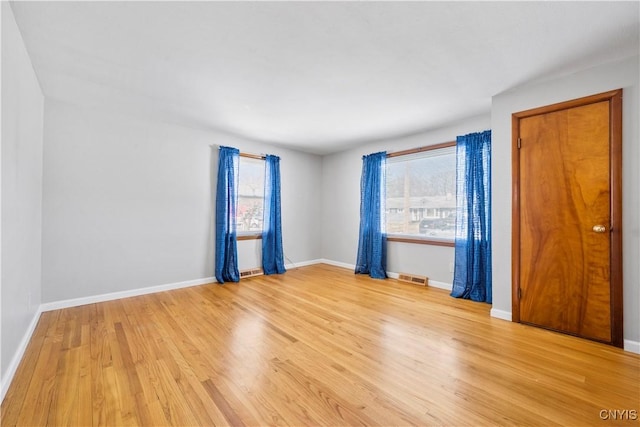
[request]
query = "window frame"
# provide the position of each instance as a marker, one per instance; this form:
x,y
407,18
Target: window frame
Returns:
x,y
406,238
250,235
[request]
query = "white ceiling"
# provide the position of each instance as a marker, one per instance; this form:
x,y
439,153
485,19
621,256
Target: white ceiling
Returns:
x,y
315,76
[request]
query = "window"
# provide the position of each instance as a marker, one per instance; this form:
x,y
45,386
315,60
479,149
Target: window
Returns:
x,y
250,195
421,194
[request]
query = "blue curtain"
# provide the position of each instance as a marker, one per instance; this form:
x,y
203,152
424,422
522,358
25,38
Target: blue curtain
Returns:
x,y
226,203
372,244
472,272
272,254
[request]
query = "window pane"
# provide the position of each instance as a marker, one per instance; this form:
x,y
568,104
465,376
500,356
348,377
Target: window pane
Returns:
x,y
250,195
421,194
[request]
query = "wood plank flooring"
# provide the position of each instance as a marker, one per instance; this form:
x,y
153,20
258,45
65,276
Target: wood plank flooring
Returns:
x,y
315,346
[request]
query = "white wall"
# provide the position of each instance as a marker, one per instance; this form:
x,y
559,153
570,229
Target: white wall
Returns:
x,y
128,202
22,107
623,74
341,205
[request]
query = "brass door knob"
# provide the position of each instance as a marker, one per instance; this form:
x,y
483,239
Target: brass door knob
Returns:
x,y
599,228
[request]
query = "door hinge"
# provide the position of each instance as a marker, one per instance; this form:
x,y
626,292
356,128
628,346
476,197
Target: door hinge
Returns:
x,y
519,293
519,143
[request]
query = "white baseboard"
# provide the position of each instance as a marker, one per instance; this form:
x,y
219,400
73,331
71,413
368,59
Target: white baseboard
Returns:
x,y
56,305
351,267
629,345
632,346
391,274
74,302
501,314
293,265
17,356
441,285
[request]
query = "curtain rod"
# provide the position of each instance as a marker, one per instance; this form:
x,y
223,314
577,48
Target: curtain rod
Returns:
x,y
253,156
421,149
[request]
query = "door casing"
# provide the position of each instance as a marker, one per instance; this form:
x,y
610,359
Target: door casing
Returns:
x,y
615,145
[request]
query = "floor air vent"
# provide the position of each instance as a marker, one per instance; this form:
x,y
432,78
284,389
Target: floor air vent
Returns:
x,y
251,272
412,278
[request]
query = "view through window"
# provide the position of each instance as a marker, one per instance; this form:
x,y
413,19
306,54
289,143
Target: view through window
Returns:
x,y
421,194
250,195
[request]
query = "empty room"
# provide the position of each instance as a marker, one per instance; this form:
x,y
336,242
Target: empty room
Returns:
x,y
320,213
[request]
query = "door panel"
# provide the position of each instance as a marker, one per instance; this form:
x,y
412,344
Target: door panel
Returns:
x,y
564,191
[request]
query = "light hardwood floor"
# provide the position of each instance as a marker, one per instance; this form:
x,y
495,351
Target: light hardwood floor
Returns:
x,y
315,346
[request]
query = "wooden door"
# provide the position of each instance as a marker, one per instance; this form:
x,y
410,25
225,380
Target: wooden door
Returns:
x,y
567,216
